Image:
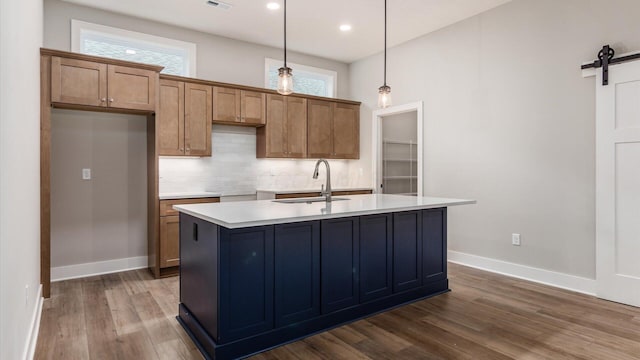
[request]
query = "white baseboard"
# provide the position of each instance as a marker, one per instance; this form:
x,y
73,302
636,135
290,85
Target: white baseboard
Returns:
x,y
546,277
34,327
97,268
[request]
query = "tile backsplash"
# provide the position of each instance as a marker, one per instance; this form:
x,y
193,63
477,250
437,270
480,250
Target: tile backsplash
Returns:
x,y
234,170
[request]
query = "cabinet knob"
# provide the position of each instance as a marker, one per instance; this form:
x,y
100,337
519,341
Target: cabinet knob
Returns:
x,y
103,99
237,117
181,149
110,99
188,149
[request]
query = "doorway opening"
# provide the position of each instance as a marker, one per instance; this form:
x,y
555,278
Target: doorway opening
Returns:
x,y
397,149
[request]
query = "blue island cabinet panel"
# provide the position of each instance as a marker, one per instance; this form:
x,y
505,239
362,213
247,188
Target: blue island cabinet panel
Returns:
x,y
246,282
297,272
376,256
407,250
199,270
339,243
434,245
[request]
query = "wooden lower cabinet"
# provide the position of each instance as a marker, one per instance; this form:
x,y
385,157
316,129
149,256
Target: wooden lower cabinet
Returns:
x,y
169,242
249,289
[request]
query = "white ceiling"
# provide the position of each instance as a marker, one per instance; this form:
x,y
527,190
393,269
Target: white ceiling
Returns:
x,y
312,25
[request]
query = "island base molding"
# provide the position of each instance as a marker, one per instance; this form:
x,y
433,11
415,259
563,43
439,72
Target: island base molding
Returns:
x,y
256,344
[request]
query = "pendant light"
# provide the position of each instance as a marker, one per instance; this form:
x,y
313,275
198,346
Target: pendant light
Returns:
x,y
384,91
285,75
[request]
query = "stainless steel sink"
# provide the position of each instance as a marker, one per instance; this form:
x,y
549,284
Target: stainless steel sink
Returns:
x,y
307,200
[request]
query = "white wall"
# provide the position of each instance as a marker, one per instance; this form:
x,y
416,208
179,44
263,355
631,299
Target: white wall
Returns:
x,y
509,121
20,40
104,218
219,59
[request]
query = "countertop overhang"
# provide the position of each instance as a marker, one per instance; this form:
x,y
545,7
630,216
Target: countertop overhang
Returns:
x,y
243,214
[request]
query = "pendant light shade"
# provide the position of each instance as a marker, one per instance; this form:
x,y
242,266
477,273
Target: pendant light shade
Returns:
x,y
384,91
285,74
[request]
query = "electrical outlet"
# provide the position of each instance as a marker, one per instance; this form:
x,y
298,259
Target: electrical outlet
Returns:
x,y
86,174
515,239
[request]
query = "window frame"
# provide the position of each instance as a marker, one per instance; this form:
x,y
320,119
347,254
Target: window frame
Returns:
x,y
77,26
333,90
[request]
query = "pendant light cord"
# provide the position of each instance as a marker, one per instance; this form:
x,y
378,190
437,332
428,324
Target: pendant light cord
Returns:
x,y
285,33
385,42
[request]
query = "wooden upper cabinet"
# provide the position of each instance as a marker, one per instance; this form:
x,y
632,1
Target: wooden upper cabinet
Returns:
x,y
333,130
239,106
319,129
170,118
184,119
78,82
226,104
296,128
82,82
346,131
252,109
197,119
285,133
131,88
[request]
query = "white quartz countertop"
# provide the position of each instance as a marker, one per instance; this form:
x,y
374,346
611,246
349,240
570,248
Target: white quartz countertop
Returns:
x,y
188,195
267,212
296,191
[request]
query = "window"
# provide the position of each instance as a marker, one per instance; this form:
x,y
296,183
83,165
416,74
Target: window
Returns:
x,y
177,57
306,79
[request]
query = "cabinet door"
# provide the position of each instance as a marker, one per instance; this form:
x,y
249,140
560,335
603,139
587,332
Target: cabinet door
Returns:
x,y
78,82
246,290
197,119
346,131
339,263
407,250
376,240
434,245
252,107
169,241
296,128
271,139
297,272
170,119
319,131
226,104
130,88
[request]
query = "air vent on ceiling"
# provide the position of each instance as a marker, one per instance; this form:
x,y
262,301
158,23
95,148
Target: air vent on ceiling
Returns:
x,y
219,5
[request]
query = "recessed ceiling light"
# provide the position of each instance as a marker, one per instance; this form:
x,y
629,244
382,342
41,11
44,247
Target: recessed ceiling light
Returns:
x,y
130,52
273,6
345,27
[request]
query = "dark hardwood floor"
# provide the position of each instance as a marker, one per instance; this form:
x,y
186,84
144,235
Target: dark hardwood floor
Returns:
x,y
486,316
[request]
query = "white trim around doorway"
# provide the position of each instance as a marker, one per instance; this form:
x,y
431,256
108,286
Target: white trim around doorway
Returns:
x,y
376,140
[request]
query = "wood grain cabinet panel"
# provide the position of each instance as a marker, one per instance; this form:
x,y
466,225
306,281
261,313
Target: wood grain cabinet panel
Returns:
x,y
285,134
333,130
131,88
346,131
239,106
319,129
170,118
226,104
197,119
169,241
81,82
78,82
184,119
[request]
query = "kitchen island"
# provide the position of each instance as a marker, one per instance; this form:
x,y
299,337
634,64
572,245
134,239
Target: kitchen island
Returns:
x,y
259,274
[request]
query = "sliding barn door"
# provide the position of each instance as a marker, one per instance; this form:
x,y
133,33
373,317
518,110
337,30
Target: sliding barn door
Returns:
x,y
618,185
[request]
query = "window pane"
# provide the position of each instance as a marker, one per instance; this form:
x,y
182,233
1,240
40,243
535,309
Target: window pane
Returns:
x,y
305,82
173,63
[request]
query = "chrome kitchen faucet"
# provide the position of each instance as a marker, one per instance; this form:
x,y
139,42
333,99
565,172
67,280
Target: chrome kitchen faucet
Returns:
x,y
324,192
